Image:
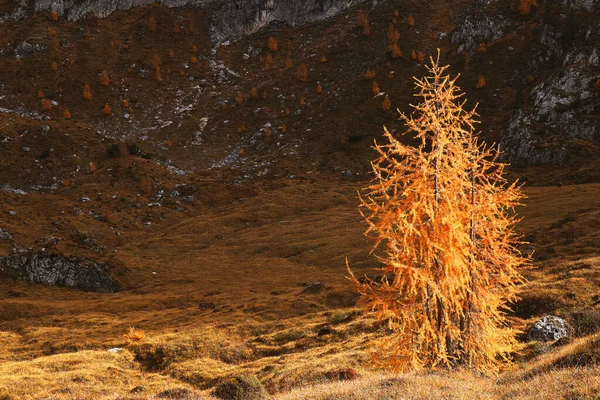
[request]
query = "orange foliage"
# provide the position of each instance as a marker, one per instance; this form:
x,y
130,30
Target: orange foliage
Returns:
x,y
283,128
125,103
396,51
171,54
194,48
54,16
254,93
67,114
410,20
152,24
134,336
323,59
93,167
87,92
242,152
302,102
391,75
442,211
267,131
363,22
268,62
46,105
176,28
288,63
158,74
273,46
370,74
302,73
482,48
194,59
41,94
239,98
287,111
413,54
420,56
169,144
525,6
319,88
106,109
241,128
386,104
396,13
104,78
375,88
156,60
393,36
480,82
54,66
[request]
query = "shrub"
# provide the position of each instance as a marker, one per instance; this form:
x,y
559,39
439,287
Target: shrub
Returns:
x,y
125,103
133,149
268,62
134,336
396,52
319,88
113,150
370,74
194,60
67,114
302,102
54,66
241,388
302,73
104,78
480,82
41,94
272,43
375,88
87,92
106,110
152,24
323,59
413,54
254,93
239,98
393,36
54,16
363,22
264,94
171,54
410,20
288,63
386,104
525,6
46,105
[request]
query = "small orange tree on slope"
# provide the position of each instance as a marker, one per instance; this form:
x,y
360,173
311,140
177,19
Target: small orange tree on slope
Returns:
x,y
442,212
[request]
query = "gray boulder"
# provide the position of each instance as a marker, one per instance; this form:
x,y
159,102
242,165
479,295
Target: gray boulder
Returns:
x,y
550,328
58,270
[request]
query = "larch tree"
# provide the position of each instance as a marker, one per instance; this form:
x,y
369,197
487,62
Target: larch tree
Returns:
x,y
443,213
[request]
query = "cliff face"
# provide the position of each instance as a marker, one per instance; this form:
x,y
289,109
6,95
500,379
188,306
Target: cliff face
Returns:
x,y
554,72
229,18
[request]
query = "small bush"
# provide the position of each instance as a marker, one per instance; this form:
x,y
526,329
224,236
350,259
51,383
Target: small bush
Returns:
x,y
134,335
386,104
302,73
273,45
241,388
87,92
133,149
104,78
113,150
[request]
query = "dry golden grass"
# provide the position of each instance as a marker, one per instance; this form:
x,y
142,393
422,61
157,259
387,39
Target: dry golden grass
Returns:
x,y
232,299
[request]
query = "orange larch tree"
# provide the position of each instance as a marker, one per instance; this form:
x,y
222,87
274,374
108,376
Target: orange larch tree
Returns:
x,y
442,211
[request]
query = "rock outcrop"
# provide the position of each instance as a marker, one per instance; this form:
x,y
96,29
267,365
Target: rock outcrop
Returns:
x,y
57,270
550,328
230,19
